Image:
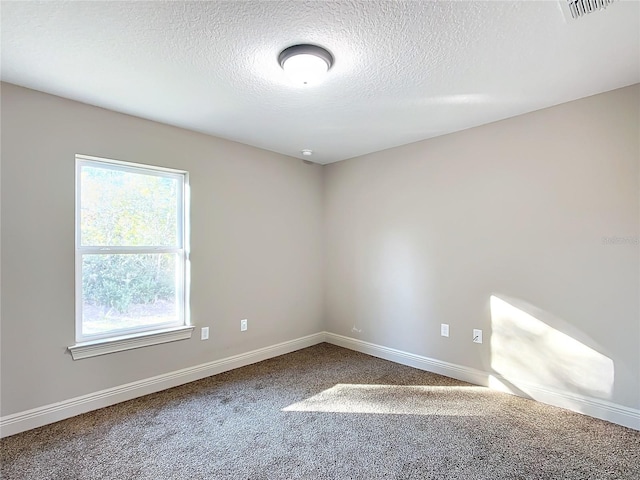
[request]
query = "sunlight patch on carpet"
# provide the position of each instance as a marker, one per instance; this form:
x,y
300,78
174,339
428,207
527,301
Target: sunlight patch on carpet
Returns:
x,y
395,400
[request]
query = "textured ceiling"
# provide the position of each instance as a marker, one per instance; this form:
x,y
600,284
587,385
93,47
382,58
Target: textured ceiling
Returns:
x,y
404,71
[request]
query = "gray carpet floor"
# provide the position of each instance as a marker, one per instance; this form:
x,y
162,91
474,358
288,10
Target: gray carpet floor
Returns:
x,y
325,413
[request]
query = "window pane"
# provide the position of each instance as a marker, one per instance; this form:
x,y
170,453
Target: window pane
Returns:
x,y
125,291
121,208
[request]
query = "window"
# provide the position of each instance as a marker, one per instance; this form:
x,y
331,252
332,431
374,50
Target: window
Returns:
x,y
131,256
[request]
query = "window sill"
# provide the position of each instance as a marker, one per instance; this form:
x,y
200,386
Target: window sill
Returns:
x,y
128,342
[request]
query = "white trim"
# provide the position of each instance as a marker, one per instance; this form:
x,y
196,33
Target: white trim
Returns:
x,y
128,342
22,421
180,249
594,407
133,166
459,372
36,417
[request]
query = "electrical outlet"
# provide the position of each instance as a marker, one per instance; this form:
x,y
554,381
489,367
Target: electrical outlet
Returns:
x,y
477,336
204,333
444,329
243,325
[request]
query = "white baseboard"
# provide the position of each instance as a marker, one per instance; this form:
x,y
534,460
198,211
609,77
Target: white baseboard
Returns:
x,y
22,421
594,407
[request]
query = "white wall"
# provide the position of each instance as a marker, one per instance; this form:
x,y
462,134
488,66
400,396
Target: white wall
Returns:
x,y
256,246
427,233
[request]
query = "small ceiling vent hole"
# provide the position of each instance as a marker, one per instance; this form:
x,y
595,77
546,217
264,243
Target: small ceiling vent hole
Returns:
x,y
580,8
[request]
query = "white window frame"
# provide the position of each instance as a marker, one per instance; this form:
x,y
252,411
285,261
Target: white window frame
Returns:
x,y
125,339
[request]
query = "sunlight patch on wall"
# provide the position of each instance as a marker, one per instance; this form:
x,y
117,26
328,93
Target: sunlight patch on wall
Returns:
x,y
527,351
395,400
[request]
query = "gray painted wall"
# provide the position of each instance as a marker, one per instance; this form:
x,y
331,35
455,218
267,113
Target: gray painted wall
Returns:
x,y
381,248
256,246
427,233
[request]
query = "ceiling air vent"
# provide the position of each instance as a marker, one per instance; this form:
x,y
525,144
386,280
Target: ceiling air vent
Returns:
x,y
580,8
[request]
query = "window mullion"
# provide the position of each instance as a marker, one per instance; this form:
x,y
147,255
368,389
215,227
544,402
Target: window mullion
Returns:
x,y
125,250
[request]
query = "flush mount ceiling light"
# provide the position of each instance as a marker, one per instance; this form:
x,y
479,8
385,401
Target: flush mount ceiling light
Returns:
x,y
306,152
305,64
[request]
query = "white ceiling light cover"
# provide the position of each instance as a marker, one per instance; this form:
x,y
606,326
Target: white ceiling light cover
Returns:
x,y
305,64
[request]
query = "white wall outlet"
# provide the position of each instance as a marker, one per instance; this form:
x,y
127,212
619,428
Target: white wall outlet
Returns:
x,y
444,329
204,333
243,325
477,336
